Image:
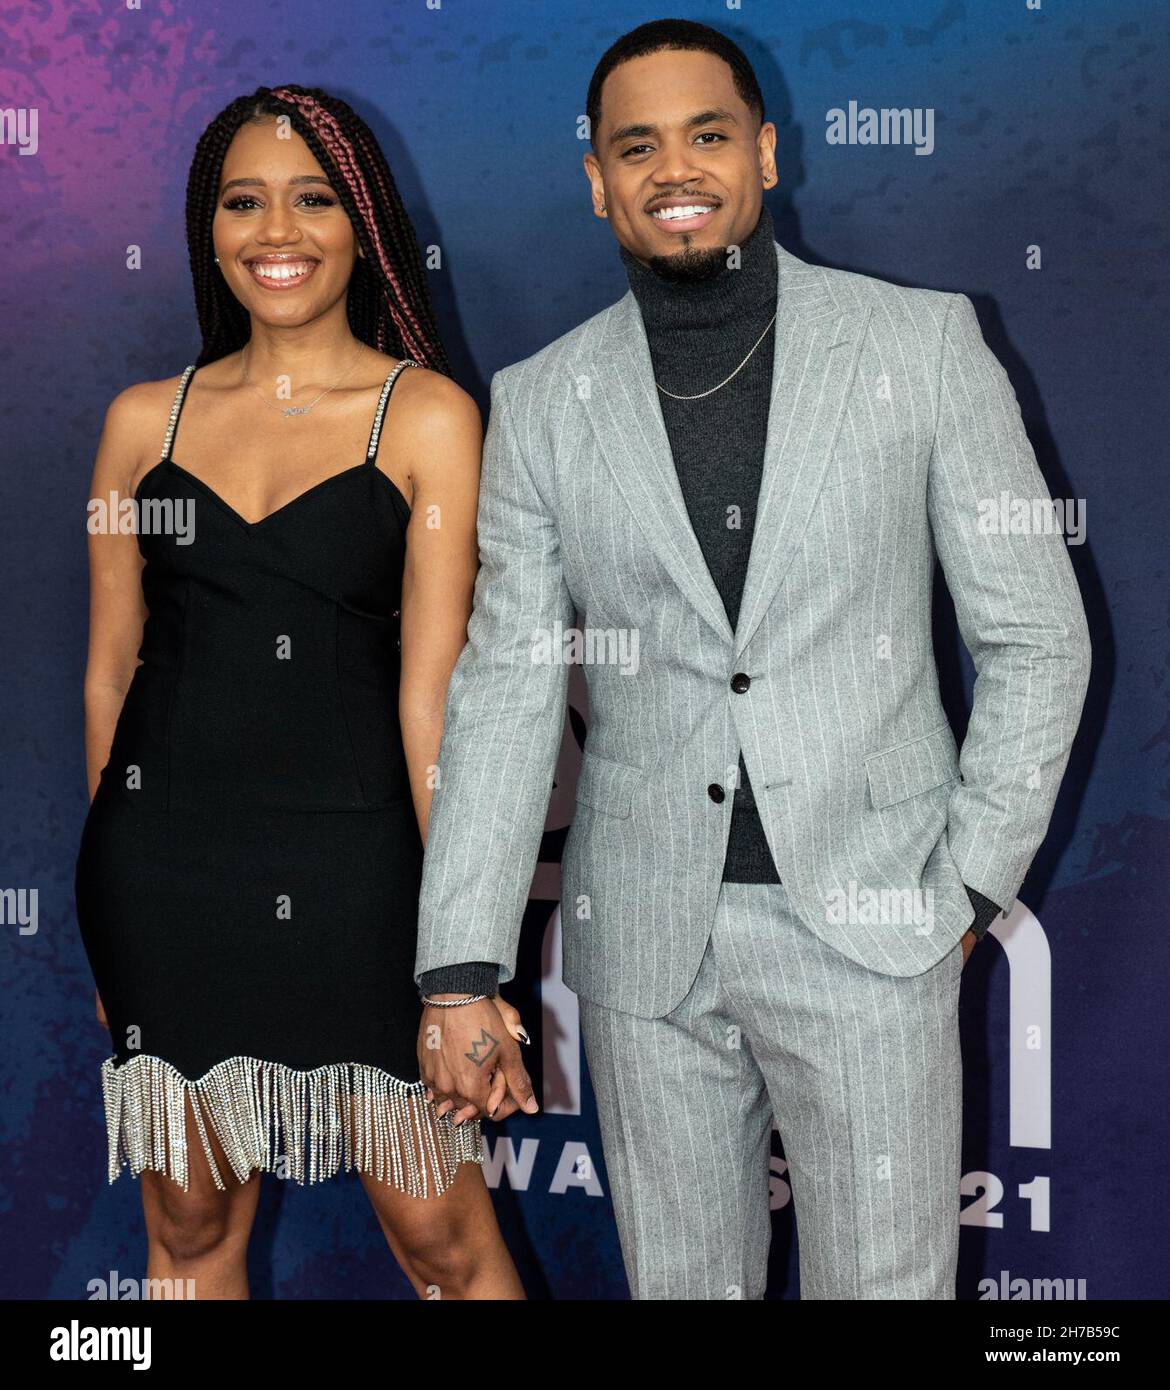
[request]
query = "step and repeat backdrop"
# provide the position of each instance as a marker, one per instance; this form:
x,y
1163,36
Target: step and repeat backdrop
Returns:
x,y
1030,174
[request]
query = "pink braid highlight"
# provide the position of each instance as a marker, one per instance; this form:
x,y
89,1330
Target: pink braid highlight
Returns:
x,y
325,126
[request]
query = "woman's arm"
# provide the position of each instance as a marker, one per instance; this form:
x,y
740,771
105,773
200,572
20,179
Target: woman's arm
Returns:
x,y
441,438
116,607
439,435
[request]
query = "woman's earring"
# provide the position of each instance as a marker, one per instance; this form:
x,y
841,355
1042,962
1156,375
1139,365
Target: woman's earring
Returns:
x,y
601,208
217,260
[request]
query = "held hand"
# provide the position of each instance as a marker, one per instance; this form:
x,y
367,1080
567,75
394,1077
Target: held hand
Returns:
x,y
470,1061
511,1019
502,1100
968,941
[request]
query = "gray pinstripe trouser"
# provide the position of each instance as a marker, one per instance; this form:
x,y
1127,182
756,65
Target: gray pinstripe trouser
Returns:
x,y
864,1076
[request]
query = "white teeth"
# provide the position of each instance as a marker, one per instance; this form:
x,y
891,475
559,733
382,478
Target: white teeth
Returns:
x,y
283,272
673,214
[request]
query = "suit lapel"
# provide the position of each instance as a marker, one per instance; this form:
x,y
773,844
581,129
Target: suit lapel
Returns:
x,y
817,345
622,401
815,356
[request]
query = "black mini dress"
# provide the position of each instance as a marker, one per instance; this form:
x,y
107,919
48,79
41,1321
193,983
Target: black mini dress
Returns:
x,y
248,875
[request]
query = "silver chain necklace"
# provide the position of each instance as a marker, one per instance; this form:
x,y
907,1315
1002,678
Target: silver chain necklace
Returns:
x,y
296,409
726,379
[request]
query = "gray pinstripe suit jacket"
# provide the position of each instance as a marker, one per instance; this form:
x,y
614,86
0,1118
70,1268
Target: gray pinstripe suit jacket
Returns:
x,y
891,423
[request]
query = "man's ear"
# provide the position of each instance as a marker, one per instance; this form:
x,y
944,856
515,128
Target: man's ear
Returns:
x,y
766,145
597,190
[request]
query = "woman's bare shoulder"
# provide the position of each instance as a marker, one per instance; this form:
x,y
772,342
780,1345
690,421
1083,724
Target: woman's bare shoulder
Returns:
x,y
135,424
138,406
433,407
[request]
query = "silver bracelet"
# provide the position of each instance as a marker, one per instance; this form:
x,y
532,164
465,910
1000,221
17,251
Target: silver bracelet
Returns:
x,y
452,1003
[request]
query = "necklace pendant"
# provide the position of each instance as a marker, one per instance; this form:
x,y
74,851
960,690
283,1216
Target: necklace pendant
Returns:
x,y
295,410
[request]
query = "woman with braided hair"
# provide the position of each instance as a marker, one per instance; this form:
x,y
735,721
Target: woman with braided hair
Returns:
x,y
268,663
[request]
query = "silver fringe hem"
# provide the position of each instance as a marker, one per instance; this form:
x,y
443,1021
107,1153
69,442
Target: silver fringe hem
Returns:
x,y
302,1124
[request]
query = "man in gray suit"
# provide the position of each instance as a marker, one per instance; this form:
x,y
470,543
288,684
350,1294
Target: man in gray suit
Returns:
x,y
779,860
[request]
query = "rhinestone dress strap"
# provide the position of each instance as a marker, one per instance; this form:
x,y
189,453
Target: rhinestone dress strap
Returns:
x,y
176,411
387,387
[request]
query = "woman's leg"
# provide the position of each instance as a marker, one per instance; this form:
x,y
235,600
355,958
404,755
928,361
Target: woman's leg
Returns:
x,y
201,1234
448,1246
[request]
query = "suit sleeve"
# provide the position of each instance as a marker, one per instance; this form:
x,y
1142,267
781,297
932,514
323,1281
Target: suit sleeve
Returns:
x,y
467,977
503,724
1019,612
985,912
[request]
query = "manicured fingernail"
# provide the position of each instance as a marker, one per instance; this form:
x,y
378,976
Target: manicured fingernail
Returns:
x,y
523,1035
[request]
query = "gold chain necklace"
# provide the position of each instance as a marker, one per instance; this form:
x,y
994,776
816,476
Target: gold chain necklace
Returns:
x,y
726,379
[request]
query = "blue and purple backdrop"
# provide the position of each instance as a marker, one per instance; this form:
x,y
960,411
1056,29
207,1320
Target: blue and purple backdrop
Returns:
x,y
1043,198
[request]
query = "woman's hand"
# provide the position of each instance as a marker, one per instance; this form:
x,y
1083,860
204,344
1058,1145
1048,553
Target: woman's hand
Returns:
x,y
500,1086
511,1019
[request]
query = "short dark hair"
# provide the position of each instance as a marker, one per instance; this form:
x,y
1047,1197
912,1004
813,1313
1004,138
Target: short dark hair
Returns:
x,y
679,35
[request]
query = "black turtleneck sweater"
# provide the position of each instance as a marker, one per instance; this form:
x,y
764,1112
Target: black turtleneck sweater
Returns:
x,y
698,334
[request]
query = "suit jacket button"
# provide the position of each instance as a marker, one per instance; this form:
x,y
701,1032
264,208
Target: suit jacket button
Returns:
x,y
716,792
740,682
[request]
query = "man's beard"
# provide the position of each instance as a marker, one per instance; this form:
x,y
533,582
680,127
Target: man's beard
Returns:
x,y
690,266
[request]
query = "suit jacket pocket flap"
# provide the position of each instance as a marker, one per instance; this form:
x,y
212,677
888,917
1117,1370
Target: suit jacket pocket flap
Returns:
x,y
605,785
910,768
